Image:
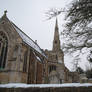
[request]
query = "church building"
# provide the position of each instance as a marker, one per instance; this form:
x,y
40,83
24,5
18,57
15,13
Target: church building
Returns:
x,y
21,59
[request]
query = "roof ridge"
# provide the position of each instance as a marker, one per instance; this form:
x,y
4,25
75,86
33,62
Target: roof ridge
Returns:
x,y
22,31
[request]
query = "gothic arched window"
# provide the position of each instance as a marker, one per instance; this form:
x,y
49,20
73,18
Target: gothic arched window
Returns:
x,y
3,50
25,62
51,68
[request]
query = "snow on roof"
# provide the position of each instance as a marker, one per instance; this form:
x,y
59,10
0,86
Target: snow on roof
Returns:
x,y
28,40
17,85
38,58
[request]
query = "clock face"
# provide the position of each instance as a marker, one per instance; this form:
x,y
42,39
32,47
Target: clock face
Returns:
x,y
59,61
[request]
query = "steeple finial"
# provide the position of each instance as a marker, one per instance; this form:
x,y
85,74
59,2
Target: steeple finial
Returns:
x,y
5,12
4,15
56,41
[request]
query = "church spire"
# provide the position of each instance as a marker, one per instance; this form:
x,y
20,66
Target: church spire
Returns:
x,y
56,41
56,26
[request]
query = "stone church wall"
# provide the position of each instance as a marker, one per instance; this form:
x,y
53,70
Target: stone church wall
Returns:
x,y
21,64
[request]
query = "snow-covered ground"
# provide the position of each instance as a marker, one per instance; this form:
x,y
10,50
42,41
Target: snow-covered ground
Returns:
x,y
17,85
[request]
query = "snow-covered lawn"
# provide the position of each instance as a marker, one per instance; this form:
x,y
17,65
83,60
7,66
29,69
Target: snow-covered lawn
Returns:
x,y
17,85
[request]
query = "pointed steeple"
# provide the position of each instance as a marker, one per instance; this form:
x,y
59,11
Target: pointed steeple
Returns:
x,y
56,25
56,41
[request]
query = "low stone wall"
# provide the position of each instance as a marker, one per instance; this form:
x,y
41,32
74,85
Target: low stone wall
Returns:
x,y
49,89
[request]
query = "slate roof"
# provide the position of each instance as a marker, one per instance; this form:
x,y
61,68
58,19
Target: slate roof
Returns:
x,y
28,40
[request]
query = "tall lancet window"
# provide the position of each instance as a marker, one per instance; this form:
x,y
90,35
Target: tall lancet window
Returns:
x,y
3,50
25,62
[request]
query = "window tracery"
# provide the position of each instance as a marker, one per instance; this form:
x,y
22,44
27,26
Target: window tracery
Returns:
x,y
3,49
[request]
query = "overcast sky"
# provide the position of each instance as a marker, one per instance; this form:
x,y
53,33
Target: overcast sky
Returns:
x,y
29,15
